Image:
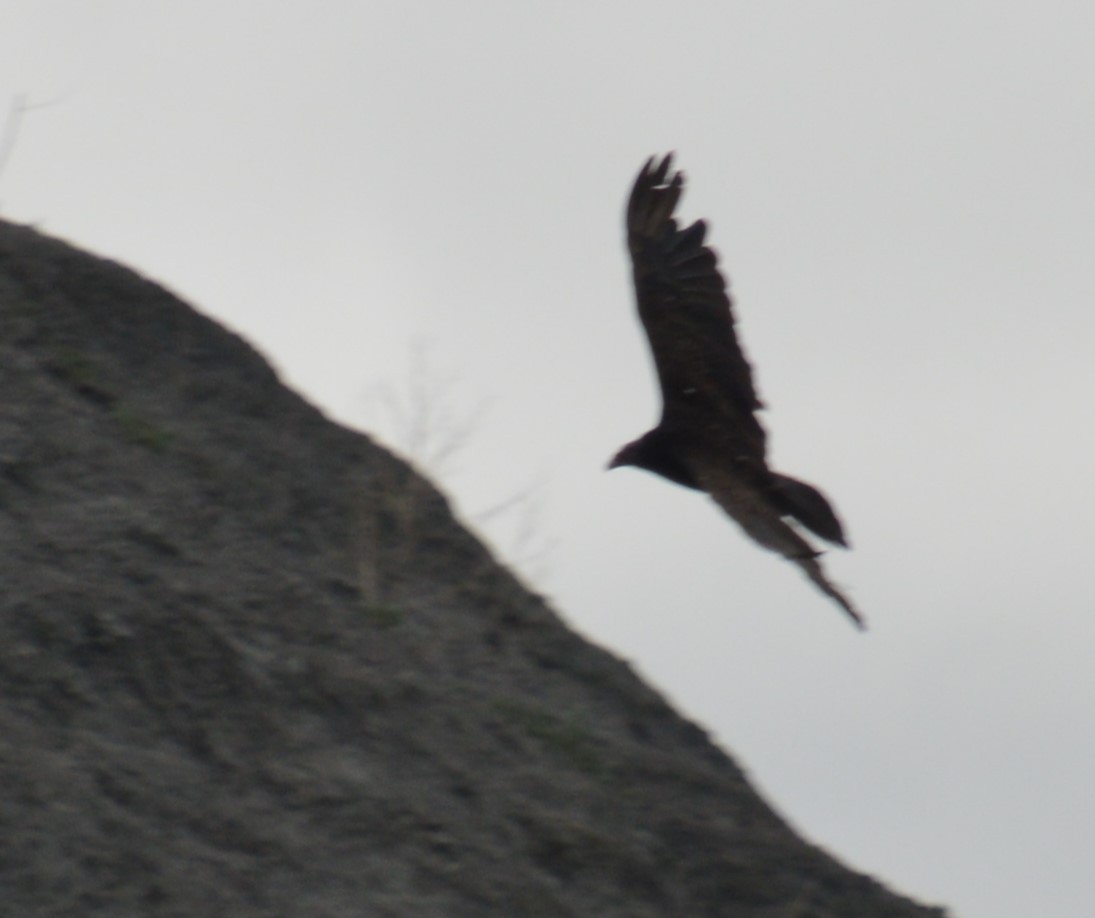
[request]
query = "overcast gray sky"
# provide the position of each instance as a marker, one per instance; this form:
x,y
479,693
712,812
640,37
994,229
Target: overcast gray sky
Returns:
x,y
903,195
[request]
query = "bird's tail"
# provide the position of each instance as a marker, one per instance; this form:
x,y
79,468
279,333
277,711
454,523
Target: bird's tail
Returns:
x,y
808,505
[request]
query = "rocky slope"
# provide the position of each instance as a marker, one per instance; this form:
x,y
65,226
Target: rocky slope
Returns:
x,y
251,666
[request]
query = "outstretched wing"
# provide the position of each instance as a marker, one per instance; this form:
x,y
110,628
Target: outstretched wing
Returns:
x,y
762,522
685,309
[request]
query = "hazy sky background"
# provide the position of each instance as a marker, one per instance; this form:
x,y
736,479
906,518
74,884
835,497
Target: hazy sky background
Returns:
x,y
903,195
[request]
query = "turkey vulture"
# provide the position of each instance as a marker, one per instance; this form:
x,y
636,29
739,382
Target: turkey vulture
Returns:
x,y
709,437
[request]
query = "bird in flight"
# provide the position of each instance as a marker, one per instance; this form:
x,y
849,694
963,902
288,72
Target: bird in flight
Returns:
x,y
709,437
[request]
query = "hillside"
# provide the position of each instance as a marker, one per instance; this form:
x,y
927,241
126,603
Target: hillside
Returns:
x,y
250,665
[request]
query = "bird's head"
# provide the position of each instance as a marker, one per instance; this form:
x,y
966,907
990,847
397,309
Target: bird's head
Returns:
x,y
656,452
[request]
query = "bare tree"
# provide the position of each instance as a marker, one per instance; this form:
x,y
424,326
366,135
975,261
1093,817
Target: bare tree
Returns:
x,y
16,109
430,425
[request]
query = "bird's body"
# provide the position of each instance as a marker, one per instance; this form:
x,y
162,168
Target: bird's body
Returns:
x,y
709,437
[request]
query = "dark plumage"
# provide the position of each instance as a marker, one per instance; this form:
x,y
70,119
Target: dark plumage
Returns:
x,y
709,437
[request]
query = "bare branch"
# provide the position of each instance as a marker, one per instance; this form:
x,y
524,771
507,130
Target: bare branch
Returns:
x,y
16,110
429,427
